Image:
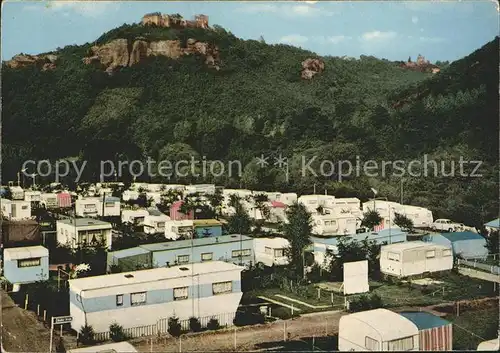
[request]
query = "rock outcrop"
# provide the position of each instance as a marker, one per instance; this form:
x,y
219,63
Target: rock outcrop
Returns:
x,y
311,67
116,53
44,62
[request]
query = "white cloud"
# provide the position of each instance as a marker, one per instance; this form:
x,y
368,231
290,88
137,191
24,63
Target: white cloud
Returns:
x,y
302,10
85,8
332,39
414,19
294,39
432,39
377,36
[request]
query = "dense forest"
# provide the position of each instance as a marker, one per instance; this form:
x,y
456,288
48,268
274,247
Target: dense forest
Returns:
x,y
257,104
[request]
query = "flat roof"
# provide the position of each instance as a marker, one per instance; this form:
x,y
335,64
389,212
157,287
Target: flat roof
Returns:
x,y
25,252
424,320
413,245
152,275
206,222
459,236
389,324
277,242
84,222
493,224
129,252
180,244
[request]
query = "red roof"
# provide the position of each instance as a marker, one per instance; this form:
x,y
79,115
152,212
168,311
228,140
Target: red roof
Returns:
x,y
278,204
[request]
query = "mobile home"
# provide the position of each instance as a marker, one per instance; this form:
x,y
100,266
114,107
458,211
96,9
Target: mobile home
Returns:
x,y
421,217
177,215
491,345
200,188
415,258
387,211
32,196
134,216
130,259
207,228
377,330
145,297
17,193
83,231
334,224
154,221
49,200
271,251
312,202
16,210
98,206
238,249
178,229
130,195
26,264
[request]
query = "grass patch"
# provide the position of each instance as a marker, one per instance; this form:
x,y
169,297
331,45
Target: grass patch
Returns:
x,y
471,324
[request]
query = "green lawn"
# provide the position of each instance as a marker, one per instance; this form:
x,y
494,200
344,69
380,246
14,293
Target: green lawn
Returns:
x,y
471,324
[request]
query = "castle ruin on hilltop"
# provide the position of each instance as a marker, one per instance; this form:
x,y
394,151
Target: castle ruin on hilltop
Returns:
x,y
174,21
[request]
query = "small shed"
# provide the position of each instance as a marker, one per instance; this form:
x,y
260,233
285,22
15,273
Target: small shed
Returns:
x,y
26,264
435,334
468,245
377,330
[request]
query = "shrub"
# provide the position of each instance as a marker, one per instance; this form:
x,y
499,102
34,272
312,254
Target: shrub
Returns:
x,y
87,335
194,324
364,302
283,313
213,324
174,327
247,317
116,333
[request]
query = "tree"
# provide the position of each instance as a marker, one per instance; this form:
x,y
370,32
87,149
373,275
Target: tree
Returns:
x,y
194,324
116,332
492,243
371,219
297,231
87,335
239,222
403,222
174,327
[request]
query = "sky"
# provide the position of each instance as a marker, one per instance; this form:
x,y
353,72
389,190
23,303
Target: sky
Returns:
x,y
395,30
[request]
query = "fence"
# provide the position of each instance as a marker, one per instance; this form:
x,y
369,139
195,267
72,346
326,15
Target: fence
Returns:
x,y
161,327
488,268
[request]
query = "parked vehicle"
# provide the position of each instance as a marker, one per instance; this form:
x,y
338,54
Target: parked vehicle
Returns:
x,y
446,225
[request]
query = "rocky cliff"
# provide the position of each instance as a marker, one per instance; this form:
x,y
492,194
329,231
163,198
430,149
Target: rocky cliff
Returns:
x,y
311,67
44,62
117,53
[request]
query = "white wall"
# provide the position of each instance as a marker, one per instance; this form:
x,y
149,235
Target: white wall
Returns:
x,y
66,233
269,259
155,224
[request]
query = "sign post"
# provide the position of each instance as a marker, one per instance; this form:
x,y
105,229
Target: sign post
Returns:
x,y
57,320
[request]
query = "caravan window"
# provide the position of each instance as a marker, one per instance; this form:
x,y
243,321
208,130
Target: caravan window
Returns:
x,y
393,256
180,293
430,254
278,253
402,344
29,262
447,252
207,256
119,300
183,259
222,287
371,344
137,298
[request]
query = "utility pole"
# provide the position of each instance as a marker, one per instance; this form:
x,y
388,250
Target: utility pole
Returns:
x,y
401,191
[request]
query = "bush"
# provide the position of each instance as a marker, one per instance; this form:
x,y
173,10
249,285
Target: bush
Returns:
x,y
213,324
365,302
174,327
116,333
194,324
283,313
243,318
87,335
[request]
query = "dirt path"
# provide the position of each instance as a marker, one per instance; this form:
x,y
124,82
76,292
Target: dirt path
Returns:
x,y
248,338
21,330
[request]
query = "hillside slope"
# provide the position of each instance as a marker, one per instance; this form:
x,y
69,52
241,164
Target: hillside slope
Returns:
x,y
256,102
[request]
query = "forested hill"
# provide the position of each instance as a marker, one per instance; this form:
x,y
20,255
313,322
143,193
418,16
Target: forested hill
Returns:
x,y
255,102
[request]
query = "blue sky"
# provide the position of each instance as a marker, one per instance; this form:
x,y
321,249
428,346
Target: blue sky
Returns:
x,y
390,29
